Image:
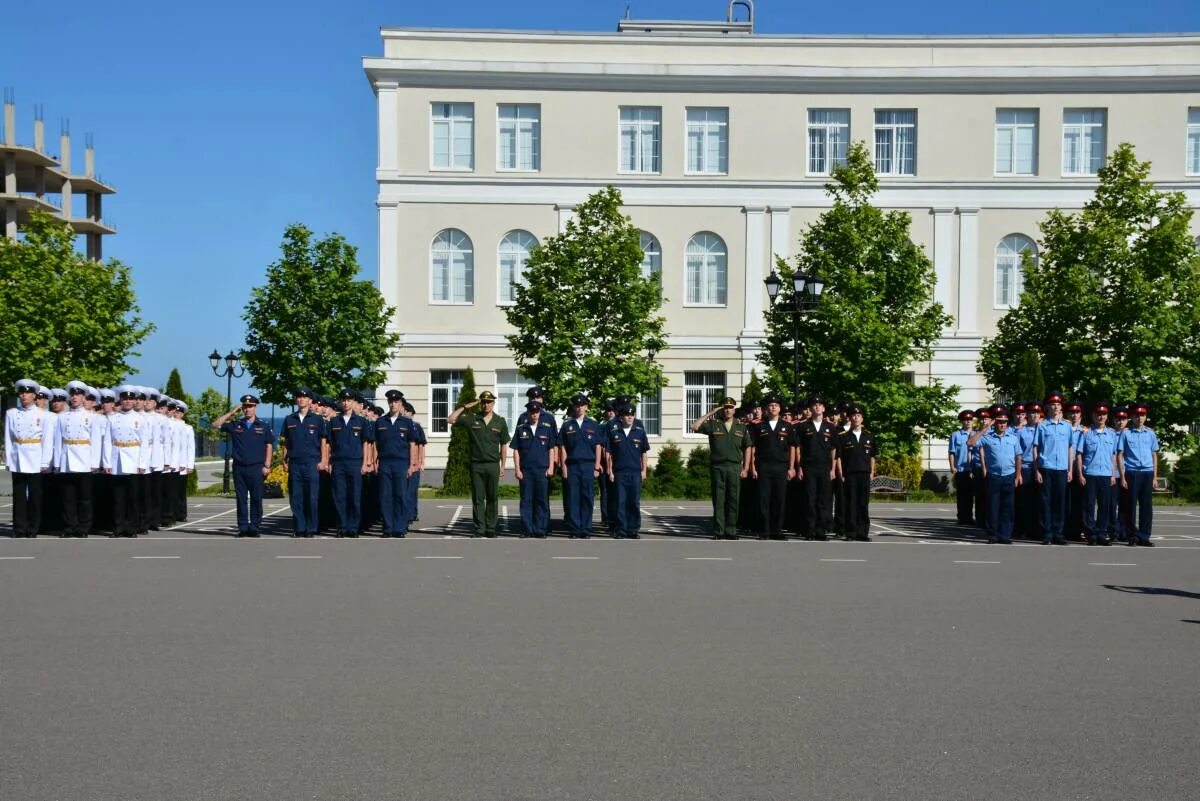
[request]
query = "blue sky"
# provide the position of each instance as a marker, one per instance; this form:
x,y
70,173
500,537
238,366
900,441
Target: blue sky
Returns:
x,y
220,123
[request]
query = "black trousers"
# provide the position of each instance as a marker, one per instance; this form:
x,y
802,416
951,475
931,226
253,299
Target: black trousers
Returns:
x,y
839,507
152,505
102,502
964,495
181,483
52,510
818,499
126,514
27,504
77,509
855,507
772,501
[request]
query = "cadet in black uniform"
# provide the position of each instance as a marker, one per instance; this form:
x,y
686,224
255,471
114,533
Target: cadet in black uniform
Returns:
x,y
856,467
773,463
817,442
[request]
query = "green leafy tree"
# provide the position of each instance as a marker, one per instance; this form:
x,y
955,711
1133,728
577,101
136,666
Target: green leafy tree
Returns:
x,y
314,322
64,316
457,478
585,317
210,406
174,386
753,390
1031,385
1112,303
876,316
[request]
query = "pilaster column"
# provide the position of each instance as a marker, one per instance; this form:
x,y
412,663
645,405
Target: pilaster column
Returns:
x,y
943,255
388,96
781,234
968,271
755,261
566,212
389,254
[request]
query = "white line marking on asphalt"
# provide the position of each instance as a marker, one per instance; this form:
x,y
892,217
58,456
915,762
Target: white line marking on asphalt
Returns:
x,y
892,530
973,562
299,557
17,557
454,518
156,557
574,557
1113,564
437,557
709,558
843,560
190,523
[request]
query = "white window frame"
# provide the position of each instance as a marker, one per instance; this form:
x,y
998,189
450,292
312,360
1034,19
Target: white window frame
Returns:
x,y
1014,246
712,395
656,404
651,255
453,389
469,264
533,133
1191,158
511,386
708,303
514,237
1087,133
451,123
656,156
831,131
1013,150
895,147
705,128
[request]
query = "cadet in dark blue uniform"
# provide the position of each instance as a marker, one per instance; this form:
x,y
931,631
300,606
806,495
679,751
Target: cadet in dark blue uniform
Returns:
x,y
413,483
580,453
534,449
347,458
536,393
303,432
251,441
396,451
627,445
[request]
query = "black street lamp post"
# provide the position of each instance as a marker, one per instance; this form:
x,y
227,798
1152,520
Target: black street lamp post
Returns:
x,y
231,371
806,296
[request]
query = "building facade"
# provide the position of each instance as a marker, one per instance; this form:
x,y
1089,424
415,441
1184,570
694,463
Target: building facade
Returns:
x,y
721,142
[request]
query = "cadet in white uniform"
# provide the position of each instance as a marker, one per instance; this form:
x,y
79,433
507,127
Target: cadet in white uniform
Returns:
x,y
127,461
79,439
28,450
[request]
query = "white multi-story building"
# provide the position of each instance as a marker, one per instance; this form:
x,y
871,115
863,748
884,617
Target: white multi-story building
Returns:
x,y
721,141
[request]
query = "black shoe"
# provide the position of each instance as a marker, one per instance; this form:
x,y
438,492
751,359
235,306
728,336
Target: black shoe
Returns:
x,y
992,540
1132,543
1103,541
310,535
1060,541
386,535
491,535
634,536
255,534
821,538
1046,541
476,535
1145,543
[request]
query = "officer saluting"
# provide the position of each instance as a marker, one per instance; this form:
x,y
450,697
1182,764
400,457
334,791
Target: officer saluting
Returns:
x,y
487,434
252,442
28,450
729,462
303,433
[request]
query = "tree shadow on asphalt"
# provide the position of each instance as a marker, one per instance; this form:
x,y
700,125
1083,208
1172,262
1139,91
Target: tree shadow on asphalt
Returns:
x,y
1153,591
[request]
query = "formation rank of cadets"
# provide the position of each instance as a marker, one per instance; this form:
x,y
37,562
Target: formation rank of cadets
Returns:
x,y
87,460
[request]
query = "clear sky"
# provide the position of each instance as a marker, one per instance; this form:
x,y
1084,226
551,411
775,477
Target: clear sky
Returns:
x,y
219,123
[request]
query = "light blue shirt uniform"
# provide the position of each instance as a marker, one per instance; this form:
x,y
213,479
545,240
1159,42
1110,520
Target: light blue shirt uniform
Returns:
x,y
1137,449
1000,453
1026,435
1097,448
1054,441
958,447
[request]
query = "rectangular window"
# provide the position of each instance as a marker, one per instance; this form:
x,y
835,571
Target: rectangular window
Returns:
x,y
1083,140
444,386
1193,141
519,138
708,140
1016,141
453,135
828,138
896,141
510,395
701,392
650,411
640,135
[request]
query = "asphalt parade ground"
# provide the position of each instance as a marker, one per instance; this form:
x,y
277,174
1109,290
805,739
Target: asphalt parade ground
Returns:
x,y
187,664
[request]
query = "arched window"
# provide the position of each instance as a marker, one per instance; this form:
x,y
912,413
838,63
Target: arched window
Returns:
x,y
1009,279
707,270
515,248
651,257
451,268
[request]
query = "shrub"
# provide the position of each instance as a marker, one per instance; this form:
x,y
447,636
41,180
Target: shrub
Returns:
x,y
908,469
1185,479
275,484
666,480
456,481
699,474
